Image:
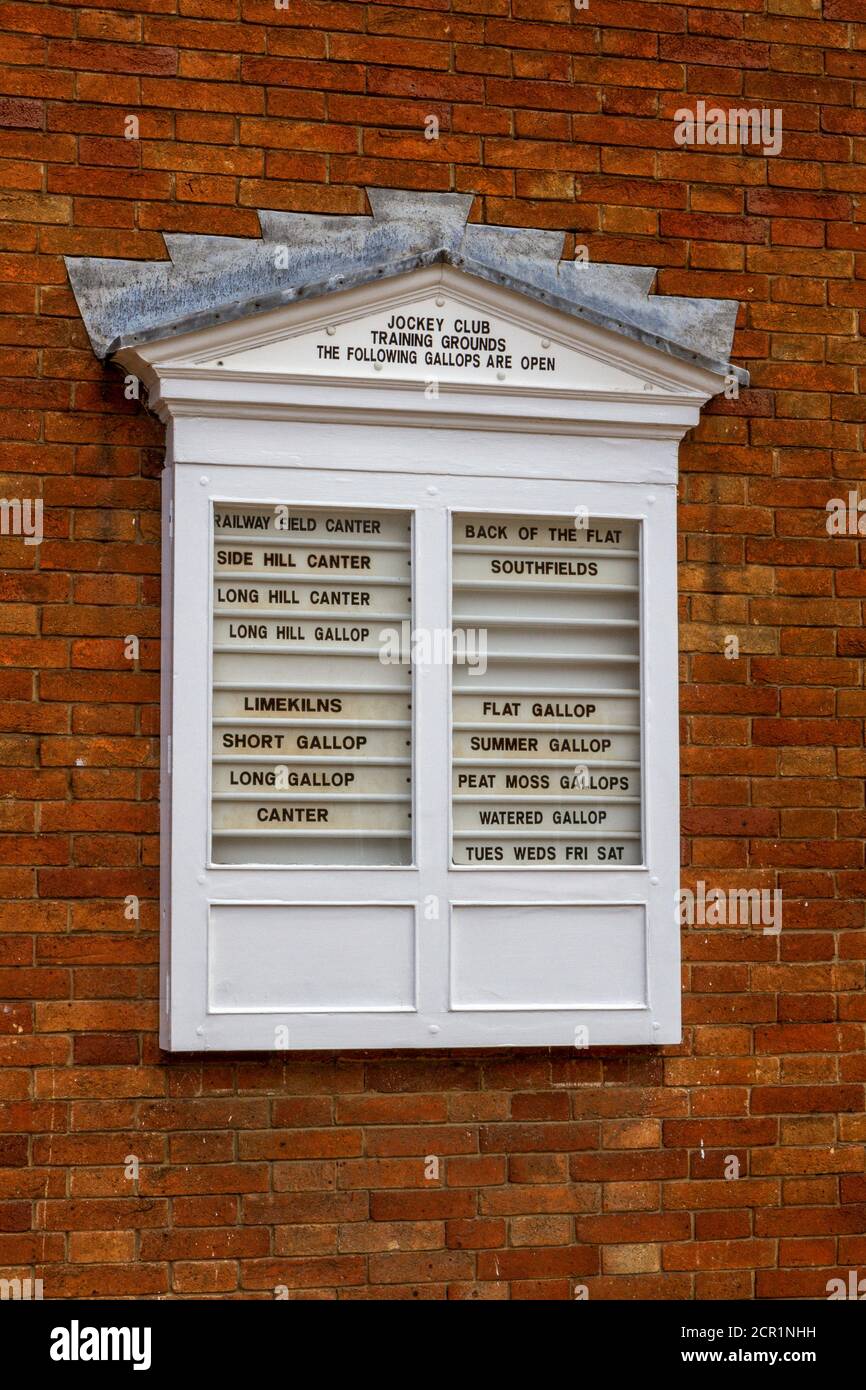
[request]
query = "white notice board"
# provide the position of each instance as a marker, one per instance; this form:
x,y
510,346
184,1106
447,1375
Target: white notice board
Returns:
x,y
420,758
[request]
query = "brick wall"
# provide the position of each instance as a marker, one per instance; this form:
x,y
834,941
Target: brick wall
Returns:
x,y
603,1168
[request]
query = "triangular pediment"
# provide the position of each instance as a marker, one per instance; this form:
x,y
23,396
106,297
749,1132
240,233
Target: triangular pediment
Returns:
x,y
432,327
443,334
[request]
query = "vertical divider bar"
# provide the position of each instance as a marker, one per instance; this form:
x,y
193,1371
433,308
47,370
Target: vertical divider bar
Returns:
x,y
432,758
166,797
190,665
660,755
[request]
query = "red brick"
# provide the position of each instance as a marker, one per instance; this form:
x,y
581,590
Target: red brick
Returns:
x,y
309,1173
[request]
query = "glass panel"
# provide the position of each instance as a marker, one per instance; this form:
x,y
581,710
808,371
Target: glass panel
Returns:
x,y
546,730
312,714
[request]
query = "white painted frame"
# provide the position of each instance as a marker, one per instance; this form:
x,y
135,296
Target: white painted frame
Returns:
x,y
380,444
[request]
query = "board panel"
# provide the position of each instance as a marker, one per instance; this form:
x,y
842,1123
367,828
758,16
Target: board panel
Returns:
x,y
312,699
553,603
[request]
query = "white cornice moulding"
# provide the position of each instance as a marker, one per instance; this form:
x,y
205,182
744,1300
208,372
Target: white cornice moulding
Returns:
x,y
264,367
